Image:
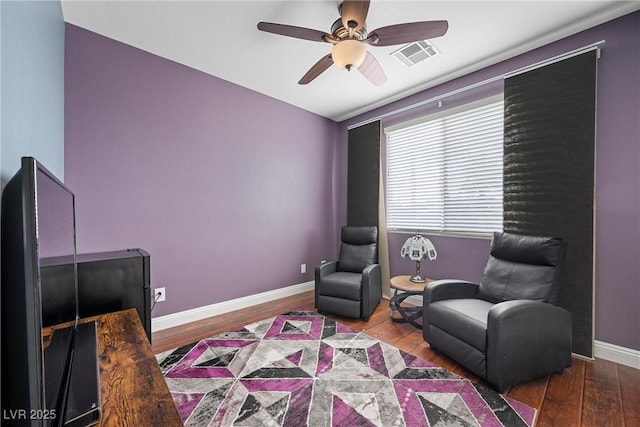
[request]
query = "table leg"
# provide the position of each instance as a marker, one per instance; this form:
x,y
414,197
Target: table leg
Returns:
x,y
407,314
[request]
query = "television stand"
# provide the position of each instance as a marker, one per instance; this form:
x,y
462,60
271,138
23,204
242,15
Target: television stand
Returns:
x,y
83,401
132,388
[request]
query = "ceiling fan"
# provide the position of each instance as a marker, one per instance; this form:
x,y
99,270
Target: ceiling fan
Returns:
x,y
349,36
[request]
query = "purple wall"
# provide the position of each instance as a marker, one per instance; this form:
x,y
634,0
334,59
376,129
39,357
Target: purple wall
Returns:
x,y
229,190
183,164
617,274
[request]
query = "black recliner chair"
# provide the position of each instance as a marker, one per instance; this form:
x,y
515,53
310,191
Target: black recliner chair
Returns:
x,y
507,329
351,286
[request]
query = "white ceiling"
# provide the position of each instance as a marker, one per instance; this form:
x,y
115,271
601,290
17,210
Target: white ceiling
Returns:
x,y
220,38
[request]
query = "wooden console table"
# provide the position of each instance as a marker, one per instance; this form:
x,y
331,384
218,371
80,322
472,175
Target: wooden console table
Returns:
x,y
133,389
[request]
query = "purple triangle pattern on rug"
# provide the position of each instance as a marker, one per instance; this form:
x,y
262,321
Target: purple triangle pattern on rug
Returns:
x,y
304,369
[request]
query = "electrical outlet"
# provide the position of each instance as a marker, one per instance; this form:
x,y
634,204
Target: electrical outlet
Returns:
x,y
303,268
159,295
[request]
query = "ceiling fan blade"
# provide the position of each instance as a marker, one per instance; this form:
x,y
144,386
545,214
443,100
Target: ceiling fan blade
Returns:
x,y
293,31
354,13
317,69
372,70
407,33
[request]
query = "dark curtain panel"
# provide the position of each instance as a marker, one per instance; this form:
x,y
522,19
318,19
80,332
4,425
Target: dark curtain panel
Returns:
x,y
363,175
549,144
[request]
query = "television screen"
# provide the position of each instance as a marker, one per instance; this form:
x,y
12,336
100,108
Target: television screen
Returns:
x,y
38,226
56,246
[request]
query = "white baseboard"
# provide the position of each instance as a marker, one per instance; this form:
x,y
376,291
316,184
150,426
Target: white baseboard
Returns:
x,y
615,353
183,317
414,300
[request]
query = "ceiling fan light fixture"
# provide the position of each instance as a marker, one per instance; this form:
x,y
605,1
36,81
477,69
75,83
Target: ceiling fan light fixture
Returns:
x,y
348,53
349,36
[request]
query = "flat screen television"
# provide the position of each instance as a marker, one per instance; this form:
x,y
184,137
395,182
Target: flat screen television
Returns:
x,y
40,358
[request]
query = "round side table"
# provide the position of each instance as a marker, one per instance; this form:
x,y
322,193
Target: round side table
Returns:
x,y
403,289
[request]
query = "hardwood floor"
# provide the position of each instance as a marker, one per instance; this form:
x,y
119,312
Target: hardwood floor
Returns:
x,y
590,393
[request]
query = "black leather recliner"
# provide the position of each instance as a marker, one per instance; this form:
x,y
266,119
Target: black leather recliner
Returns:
x,y
351,286
507,329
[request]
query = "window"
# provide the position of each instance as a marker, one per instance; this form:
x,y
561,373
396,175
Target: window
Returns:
x,y
444,173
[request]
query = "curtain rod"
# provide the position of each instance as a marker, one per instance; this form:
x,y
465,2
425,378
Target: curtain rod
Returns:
x,y
539,64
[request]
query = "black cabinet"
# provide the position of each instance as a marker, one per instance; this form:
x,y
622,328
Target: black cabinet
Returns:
x,y
111,281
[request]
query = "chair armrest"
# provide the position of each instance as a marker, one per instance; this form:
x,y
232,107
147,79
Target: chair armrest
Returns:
x,y
448,289
439,290
371,289
322,270
325,269
526,315
370,271
526,339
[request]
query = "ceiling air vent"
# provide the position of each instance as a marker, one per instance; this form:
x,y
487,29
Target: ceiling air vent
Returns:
x,y
416,52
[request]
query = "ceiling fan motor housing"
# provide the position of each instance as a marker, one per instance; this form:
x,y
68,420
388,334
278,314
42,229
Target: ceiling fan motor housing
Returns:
x,y
339,32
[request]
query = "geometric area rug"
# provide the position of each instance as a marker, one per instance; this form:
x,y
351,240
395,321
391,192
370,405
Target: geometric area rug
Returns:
x,y
304,369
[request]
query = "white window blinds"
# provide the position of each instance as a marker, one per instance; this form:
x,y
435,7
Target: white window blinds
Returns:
x,y
444,174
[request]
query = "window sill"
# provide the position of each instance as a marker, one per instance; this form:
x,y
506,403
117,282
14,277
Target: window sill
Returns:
x,y
465,235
